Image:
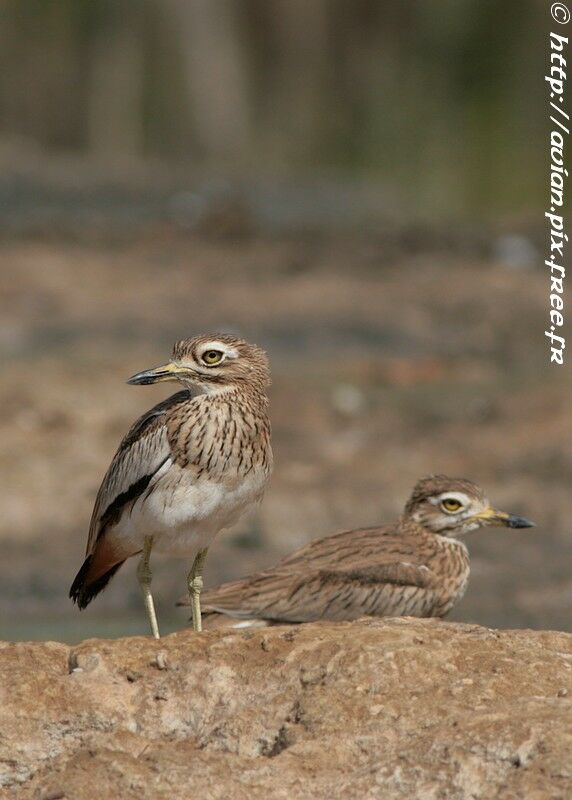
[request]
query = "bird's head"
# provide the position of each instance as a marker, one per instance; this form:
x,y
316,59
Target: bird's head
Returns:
x,y
210,364
454,506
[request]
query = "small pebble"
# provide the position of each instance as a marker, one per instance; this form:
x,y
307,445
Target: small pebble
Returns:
x,y
161,660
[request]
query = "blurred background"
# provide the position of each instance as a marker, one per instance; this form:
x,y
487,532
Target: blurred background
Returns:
x,y
359,187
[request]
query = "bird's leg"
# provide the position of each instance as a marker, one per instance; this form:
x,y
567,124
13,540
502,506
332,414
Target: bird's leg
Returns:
x,y
195,584
144,578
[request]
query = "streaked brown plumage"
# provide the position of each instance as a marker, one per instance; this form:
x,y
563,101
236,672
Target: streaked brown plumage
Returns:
x,y
415,567
187,468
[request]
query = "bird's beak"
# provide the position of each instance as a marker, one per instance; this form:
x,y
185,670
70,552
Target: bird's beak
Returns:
x,y
491,516
168,372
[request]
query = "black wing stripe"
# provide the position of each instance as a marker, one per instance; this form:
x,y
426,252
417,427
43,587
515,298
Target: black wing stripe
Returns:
x,y
112,513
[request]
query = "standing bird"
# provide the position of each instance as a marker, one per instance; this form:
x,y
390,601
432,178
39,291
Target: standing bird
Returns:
x,y
415,567
188,468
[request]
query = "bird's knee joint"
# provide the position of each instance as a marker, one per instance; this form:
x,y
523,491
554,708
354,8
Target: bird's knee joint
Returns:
x,y
144,574
196,584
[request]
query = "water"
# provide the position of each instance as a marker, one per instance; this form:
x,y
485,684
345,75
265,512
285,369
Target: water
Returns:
x,y
72,631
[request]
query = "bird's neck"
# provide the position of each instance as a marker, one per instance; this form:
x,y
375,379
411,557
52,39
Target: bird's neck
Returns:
x,y
417,528
230,393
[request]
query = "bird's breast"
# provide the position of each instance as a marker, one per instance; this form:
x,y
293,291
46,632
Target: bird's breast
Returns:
x,y
451,566
221,439
182,496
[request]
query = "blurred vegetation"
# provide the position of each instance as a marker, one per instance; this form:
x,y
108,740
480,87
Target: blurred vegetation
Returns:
x,y
439,100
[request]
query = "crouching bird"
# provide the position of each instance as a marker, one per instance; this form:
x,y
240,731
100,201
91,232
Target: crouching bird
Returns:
x,y
188,468
415,567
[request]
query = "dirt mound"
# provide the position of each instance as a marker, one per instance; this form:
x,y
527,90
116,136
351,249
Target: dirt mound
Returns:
x,y
397,708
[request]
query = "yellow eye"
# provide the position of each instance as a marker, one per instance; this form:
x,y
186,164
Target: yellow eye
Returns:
x,y
211,357
450,504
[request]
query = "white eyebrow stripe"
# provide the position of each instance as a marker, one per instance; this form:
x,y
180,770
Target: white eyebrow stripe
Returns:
x,y
460,496
229,352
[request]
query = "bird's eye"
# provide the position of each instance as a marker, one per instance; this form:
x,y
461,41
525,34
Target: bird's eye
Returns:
x,y
211,357
450,504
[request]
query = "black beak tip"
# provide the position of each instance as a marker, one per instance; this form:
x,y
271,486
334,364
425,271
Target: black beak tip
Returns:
x,y
520,522
139,380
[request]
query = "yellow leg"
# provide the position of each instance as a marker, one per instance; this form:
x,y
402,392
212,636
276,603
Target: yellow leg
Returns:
x,y
144,578
195,584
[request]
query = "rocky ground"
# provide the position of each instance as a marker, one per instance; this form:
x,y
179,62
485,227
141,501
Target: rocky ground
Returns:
x,y
391,709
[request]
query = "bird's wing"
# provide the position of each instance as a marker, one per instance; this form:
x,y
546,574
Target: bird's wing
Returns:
x,y
397,573
141,454
373,571
324,553
380,543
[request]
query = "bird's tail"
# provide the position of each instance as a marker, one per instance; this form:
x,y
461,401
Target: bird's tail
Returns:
x,y
95,573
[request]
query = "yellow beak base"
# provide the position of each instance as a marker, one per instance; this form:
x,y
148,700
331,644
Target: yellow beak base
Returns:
x,y
167,372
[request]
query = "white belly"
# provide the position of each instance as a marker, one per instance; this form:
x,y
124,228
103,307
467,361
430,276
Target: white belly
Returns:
x,y
184,514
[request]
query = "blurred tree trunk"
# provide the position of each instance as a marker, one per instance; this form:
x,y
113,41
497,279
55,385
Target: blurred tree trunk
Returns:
x,y
215,73
115,92
301,100
39,75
